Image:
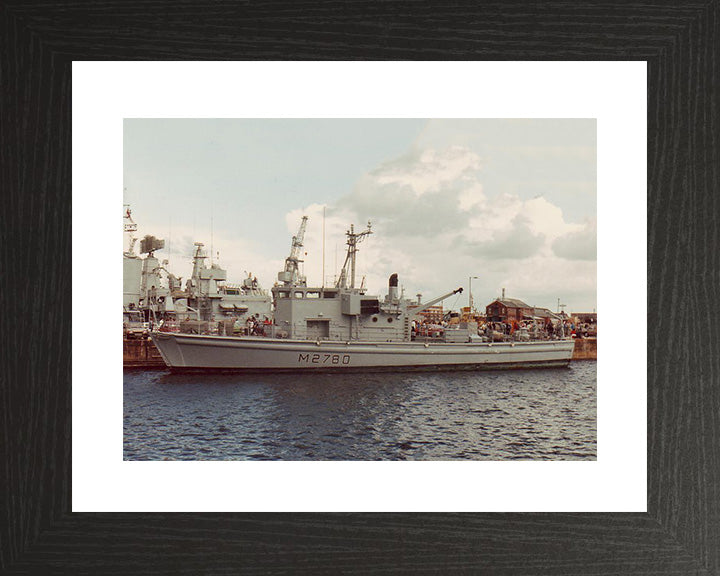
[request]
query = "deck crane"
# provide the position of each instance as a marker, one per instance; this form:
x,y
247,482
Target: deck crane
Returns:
x,y
426,305
291,275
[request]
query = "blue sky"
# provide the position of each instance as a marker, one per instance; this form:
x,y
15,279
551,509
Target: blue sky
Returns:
x,y
510,201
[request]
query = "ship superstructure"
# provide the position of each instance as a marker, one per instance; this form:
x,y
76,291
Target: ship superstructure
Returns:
x,y
156,295
208,297
345,312
132,264
145,279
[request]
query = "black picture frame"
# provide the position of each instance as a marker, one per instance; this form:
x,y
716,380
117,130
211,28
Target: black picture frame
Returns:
x,y
680,533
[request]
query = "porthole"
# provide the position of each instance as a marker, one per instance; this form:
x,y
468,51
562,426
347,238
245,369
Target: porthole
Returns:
x,y
389,320
374,318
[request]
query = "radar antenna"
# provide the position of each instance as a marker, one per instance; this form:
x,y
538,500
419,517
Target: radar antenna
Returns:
x,y
291,275
352,241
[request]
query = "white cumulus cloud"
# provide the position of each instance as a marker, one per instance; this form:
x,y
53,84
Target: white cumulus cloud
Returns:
x,y
435,224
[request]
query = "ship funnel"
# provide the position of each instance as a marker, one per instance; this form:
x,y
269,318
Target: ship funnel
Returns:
x,y
393,287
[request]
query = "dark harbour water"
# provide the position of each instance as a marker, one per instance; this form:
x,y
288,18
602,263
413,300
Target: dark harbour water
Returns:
x,y
513,415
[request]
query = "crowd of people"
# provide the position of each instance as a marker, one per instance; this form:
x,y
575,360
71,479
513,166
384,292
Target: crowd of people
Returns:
x,y
514,330
256,327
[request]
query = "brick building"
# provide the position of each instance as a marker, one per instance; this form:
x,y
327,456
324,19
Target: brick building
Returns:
x,y
508,310
433,314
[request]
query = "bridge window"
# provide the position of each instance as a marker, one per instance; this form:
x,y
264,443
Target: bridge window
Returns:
x,y
369,306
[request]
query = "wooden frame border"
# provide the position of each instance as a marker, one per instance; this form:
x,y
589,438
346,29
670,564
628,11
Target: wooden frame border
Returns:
x,y
680,533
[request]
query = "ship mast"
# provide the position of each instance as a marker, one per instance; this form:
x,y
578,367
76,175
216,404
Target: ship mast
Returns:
x,y
130,227
352,241
198,261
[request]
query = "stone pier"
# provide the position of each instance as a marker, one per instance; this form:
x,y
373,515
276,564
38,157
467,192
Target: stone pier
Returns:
x,y
585,349
141,353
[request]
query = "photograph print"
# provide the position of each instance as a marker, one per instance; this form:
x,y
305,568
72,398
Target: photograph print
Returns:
x,y
360,289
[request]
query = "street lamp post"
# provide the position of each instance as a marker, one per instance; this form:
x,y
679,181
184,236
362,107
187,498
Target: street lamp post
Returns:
x,y
470,297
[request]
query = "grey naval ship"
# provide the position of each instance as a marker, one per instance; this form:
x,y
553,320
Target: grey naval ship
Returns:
x,y
152,295
342,328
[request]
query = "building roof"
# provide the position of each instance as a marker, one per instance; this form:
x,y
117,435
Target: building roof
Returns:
x,y
544,313
511,303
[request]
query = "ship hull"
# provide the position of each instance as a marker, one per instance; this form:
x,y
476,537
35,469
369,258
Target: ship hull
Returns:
x,y
190,352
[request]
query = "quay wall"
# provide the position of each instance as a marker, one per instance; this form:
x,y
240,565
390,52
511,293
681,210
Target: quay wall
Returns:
x,y
585,349
141,353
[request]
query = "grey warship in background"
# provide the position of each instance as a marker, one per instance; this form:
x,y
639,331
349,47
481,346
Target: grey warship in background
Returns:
x,y
151,294
341,328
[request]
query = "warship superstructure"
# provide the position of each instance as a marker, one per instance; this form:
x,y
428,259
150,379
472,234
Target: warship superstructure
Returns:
x,y
132,264
153,295
208,297
343,328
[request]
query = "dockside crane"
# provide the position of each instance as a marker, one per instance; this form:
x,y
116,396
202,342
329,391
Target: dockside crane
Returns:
x,y
291,275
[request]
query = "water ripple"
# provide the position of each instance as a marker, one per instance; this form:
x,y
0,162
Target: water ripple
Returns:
x,y
518,415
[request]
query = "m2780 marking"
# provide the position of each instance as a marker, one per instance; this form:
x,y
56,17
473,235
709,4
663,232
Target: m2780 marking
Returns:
x,y
324,358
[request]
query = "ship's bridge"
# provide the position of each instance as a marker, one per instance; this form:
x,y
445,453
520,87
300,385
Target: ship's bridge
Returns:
x,y
301,292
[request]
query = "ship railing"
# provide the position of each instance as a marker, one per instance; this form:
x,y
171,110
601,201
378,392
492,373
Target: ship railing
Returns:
x,y
429,339
217,329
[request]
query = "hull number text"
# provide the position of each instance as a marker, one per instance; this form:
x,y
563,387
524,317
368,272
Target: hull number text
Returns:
x,y
324,358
